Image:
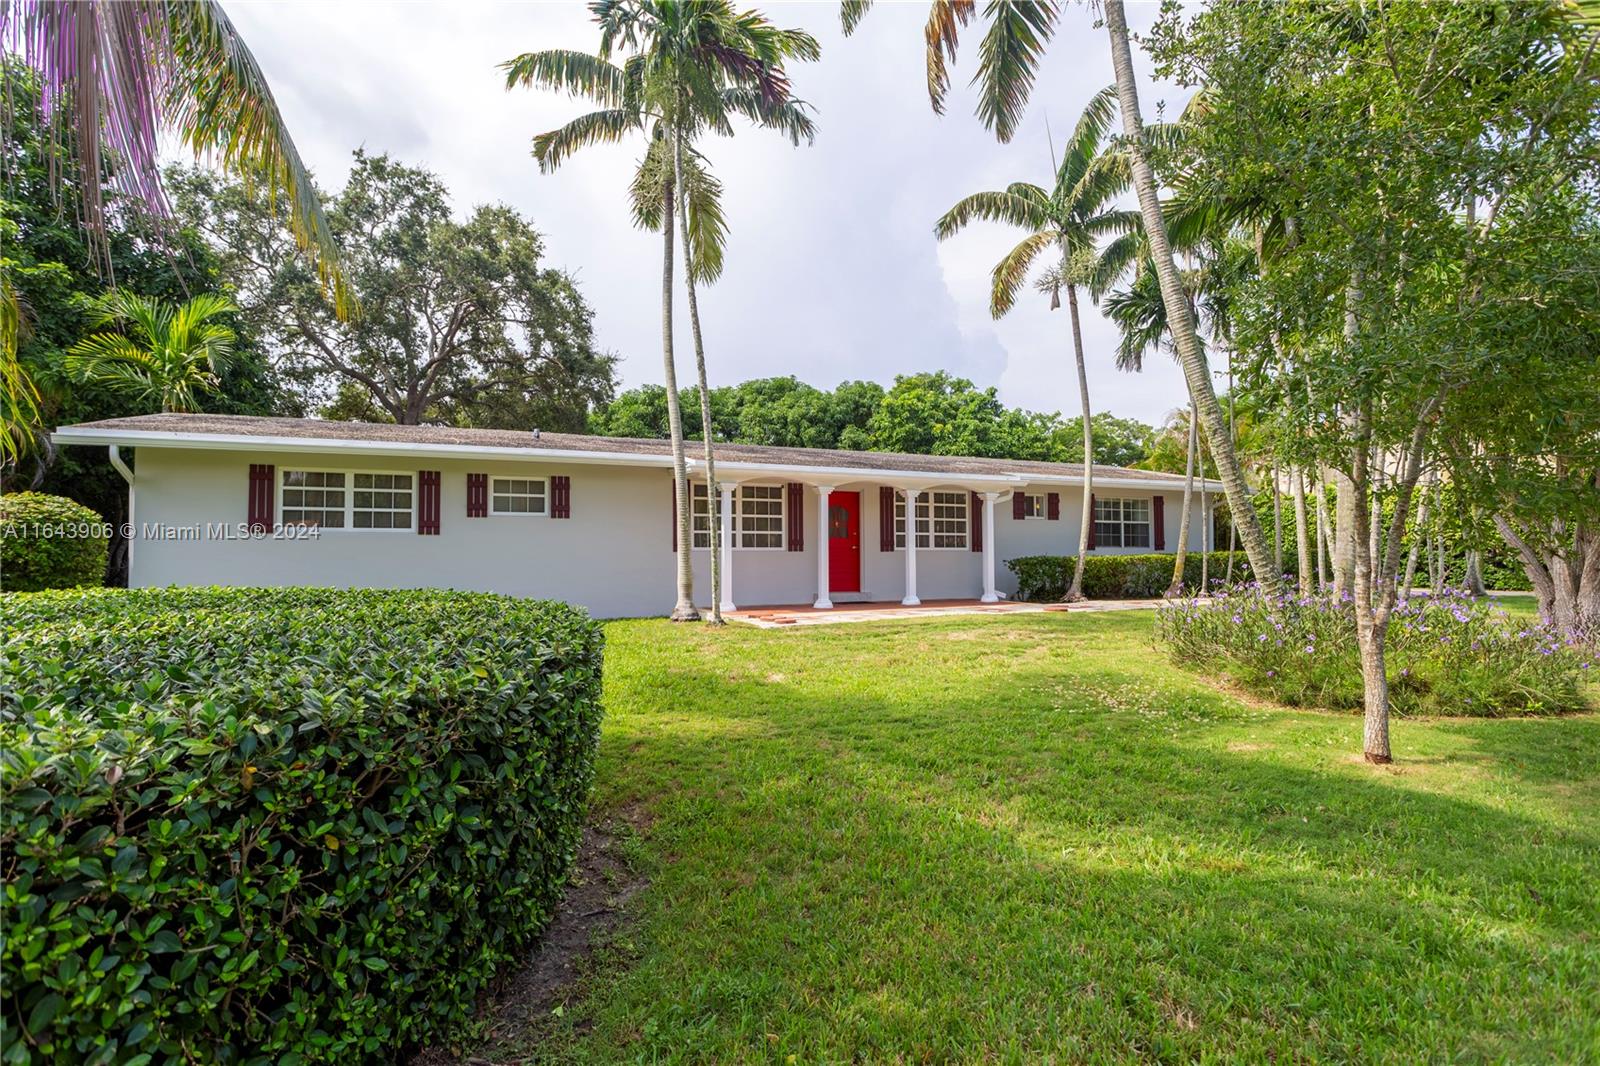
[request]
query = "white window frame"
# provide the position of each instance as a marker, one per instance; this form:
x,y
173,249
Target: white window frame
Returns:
x,y
925,512
544,481
1038,503
1122,523
349,498
701,537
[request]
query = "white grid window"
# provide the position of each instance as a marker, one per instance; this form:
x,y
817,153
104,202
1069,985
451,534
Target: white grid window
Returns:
x,y
702,515
381,501
759,511
941,520
1033,505
758,516
517,495
1120,523
313,498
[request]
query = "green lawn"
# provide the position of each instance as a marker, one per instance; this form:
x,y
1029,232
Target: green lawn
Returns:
x,y
1029,838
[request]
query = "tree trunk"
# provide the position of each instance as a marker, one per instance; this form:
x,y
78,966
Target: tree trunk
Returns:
x,y
713,491
1181,559
1180,319
1369,633
1277,521
684,610
1324,522
1474,577
1565,581
1075,590
1302,541
1416,543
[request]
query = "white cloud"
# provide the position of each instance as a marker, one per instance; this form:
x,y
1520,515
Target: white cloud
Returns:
x,y
833,271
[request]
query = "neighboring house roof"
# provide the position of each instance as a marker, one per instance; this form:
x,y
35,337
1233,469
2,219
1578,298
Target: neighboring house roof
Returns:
x,y
236,432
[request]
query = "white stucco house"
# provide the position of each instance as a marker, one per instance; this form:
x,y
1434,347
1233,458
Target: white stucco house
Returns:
x,y
234,500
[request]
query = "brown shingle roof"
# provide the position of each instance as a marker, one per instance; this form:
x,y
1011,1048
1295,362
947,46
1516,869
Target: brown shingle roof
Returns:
x,y
245,426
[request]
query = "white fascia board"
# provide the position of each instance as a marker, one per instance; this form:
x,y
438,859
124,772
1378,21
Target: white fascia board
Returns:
x,y
839,475
920,479
1118,482
319,445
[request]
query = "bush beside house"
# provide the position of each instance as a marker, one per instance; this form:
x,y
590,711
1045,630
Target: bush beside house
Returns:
x,y
50,542
280,825
1044,578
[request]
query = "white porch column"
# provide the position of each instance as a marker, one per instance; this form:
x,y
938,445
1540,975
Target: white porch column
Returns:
x,y
990,500
726,488
911,547
822,547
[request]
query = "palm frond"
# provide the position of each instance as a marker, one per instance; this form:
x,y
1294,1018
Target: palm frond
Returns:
x,y
942,35
1012,271
1008,60
1014,206
597,127
789,117
1082,149
851,13
566,70
217,98
708,226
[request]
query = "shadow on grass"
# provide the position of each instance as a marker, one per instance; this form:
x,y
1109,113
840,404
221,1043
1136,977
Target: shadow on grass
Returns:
x,y
866,853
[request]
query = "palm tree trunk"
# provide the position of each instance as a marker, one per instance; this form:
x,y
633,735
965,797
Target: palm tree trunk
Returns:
x,y
684,610
1180,321
1277,521
1181,559
705,394
1075,590
1302,540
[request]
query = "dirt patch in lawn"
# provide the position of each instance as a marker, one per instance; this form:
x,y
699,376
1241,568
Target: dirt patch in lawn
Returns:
x,y
597,902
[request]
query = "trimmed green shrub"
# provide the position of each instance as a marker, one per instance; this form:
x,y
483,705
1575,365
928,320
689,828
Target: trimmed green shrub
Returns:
x,y
280,825
1044,578
50,542
1445,655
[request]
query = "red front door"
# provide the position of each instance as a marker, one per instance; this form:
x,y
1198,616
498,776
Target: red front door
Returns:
x,y
844,542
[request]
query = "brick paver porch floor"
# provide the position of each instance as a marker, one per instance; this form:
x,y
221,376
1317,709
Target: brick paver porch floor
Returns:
x,y
805,615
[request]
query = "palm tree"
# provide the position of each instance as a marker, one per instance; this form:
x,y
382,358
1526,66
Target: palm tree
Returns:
x,y
161,354
691,67
1068,220
1008,64
131,70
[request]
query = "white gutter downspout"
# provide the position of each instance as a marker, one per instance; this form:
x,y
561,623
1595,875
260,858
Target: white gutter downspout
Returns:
x,y
127,475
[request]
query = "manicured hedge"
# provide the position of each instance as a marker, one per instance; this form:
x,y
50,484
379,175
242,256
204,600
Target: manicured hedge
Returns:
x,y
50,542
1044,578
280,826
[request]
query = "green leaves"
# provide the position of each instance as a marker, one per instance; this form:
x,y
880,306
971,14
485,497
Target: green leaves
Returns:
x,y
175,763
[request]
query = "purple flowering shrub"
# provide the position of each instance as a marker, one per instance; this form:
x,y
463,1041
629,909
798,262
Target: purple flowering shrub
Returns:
x,y
1446,656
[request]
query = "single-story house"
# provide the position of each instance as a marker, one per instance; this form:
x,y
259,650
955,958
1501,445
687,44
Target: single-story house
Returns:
x,y
236,500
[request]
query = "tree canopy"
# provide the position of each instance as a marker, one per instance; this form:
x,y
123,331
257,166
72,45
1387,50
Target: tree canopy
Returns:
x,y
462,322
925,414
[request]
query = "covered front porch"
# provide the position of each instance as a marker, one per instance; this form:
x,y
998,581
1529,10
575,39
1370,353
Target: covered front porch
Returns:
x,y
844,541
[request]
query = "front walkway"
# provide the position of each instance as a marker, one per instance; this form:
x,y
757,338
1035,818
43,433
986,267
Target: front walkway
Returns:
x,y
804,615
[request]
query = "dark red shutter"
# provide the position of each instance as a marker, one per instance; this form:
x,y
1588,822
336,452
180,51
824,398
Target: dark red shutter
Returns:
x,y
1052,507
1019,505
261,490
1091,521
975,521
885,518
428,502
560,496
477,495
1159,521
797,515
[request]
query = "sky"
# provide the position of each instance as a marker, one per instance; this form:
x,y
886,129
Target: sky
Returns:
x,y
832,269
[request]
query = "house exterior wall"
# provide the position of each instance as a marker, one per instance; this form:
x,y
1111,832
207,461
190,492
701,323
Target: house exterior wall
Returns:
x,y
613,556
